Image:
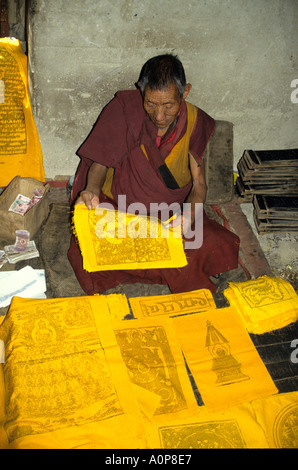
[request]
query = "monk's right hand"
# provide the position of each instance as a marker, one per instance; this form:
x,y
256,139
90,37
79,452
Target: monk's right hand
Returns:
x,y
88,198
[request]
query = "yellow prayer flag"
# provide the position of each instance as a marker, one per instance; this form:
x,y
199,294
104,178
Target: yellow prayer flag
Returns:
x,y
223,360
20,149
234,428
172,304
154,362
112,240
63,387
118,306
265,303
278,417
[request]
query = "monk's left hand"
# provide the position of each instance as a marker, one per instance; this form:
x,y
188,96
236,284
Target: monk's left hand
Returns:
x,y
185,220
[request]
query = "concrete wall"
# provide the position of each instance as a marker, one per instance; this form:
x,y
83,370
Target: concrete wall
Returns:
x,y
17,20
239,55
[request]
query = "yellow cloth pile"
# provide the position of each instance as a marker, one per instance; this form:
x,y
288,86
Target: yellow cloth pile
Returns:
x,y
265,303
111,240
66,385
77,376
20,150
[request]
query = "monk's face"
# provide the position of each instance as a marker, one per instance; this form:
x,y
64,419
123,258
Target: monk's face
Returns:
x,y
162,106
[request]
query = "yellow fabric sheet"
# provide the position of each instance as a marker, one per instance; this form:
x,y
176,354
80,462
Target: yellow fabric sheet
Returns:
x,y
118,306
172,304
136,250
269,422
77,377
265,303
278,416
20,150
222,358
234,428
64,387
154,362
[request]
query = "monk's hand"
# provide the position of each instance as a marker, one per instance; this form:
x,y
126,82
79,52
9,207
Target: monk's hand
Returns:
x,y
186,222
183,220
88,198
175,221
179,222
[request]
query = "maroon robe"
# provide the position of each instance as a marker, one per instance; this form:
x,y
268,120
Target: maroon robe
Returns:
x,y
115,141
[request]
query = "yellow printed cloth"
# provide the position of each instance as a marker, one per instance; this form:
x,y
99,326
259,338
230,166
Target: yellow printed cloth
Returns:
x,y
172,304
20,149
75,376
278,416
118,306
154,362
234,428
269,422
112,240
265,303
223,360
63,387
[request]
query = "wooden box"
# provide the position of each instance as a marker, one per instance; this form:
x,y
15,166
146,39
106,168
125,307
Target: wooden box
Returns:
x,y
32,220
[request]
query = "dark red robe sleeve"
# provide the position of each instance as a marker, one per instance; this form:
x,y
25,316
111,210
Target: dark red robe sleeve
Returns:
x,y
106,143
201,135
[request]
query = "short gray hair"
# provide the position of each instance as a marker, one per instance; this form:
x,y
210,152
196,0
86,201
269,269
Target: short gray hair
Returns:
x,y
161,71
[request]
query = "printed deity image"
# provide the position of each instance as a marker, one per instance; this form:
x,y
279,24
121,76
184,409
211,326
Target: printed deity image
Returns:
x,y
44,393
150,362
117,240
59,378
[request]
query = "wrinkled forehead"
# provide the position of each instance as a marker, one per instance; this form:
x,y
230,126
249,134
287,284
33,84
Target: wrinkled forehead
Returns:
x,y
166,94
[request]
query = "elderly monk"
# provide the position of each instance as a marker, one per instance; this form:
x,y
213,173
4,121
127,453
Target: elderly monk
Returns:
x,y
148,144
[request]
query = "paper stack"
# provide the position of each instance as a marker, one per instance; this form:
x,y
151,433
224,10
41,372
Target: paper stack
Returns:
x,y
27,282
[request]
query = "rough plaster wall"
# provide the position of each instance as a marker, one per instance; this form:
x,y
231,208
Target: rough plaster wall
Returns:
x,y
239,55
